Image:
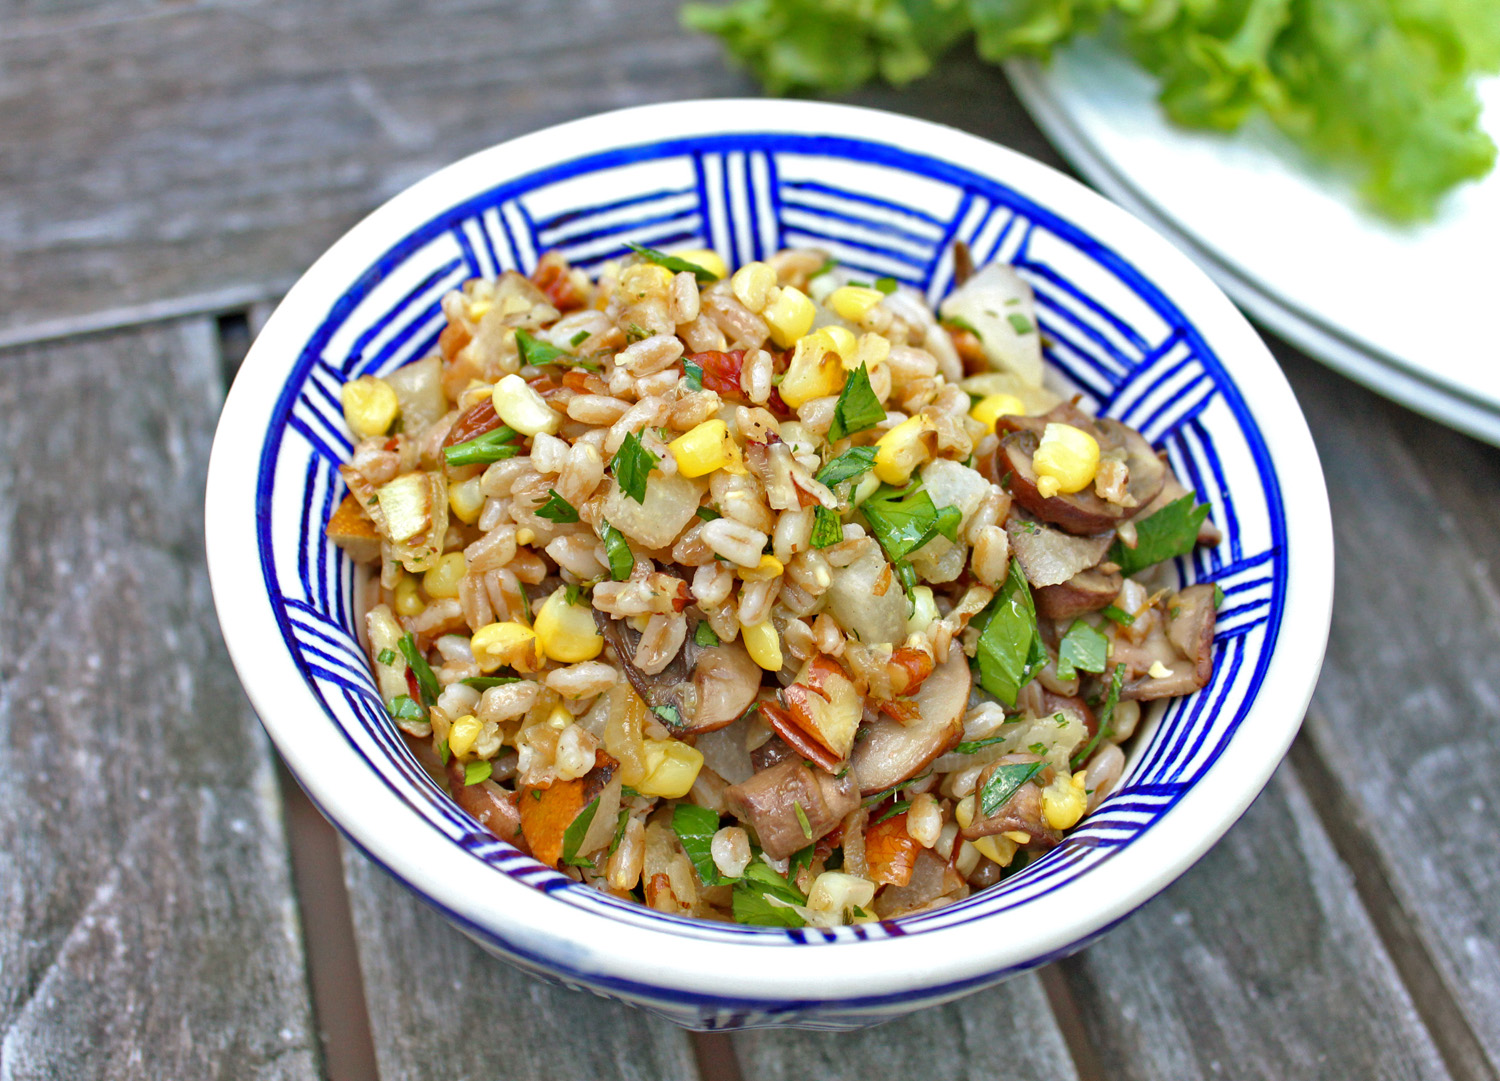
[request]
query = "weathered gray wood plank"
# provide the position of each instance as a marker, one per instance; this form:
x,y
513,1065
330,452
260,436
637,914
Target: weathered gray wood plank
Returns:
x,y
1004,1031
440,1007
1258,963
1404,717
147,926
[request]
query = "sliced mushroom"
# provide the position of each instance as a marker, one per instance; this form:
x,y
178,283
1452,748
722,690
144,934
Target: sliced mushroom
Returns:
x,y
1086,591
1050,556
770,803
1181,644
700,689
1022,813
888,752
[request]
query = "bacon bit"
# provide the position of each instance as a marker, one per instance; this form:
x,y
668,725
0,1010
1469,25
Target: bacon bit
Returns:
x,y
796,737
901,710
907,668
554,277
890,851
473,422
453,338
721,372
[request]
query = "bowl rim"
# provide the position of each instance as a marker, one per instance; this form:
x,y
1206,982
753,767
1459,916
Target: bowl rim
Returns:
x,y
647,960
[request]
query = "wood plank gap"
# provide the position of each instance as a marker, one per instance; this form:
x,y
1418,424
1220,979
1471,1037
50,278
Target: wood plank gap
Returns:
x,y
241,298
1066,1013
715,1054
1435,1003
338,998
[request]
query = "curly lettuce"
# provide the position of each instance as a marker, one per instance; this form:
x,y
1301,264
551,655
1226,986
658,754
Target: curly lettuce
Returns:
x,y
1382,90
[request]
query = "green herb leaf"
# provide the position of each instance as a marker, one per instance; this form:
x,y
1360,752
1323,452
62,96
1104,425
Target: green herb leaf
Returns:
x,y
828,264
427,683
495,445
1171,531
557,509
579,338
827,529
802,820
1019,323
1218,596
1106,716
386,656
632,465
704,636
904,519
673,263
574,593
575,833
476,771
857,407
1004,782
536,352
620,824
1010,651
854,462
962,324
750,899
670,715
708,514
886,285
1082,649
621,559
484,683
803,857
443,752
974,745
901,806
404,708
1117,615
694,374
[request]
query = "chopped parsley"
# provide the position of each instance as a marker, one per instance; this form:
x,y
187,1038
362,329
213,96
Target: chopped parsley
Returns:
x,y
704,635
579,338
708,514
963,324
536,352
621,558
1171,531
495,445
903,520
427,682
827,529
693,373
857,407
803,857
577,830
1004,782
632,465
1106,716
854,462
673,263
802,820
974,745
1019,323
1117,615
404,708
828,264
484,683
1010,651
886,285
620,824
670,715
1218,596
900,807
443,752
557,509
386,656
1082,649
575,592
474,772
695,828
753,894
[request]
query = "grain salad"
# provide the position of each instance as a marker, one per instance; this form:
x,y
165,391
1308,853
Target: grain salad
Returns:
x,y
774,595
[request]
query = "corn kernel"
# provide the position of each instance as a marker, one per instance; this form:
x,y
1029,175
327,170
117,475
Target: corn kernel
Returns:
x,y
837,339
705,448
645,279
924,611
836,892
671,768
408,599
902,449
813,372
441,580
463,734
764,645
1000,849
752,284
370,406
1066,460
994,406
567,632
558,718
710,261
511,643
466,500
872,351
523,409
1158,670
769,567
1065,800
789,314
963,813
853,302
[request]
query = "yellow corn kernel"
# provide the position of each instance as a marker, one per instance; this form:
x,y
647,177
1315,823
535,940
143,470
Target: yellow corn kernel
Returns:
x,y
671,768
813,372
477,308
710,261
558,718
1066,460
408,599
752,285
466,500
1000,849
705,448
1064,800
872,351
840,340
764,645
523,409
463,734
645,279
768,568
511,643
441,580
837,891
902,449
853,302
370,406
994,406
566,631
789,314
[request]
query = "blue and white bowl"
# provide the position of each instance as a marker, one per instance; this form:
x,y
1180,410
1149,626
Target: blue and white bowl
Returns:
x,y
1135,329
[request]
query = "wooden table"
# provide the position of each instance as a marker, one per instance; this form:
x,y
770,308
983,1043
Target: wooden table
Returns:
x,y
170,908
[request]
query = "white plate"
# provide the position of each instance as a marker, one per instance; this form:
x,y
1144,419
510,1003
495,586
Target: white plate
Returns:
x,y
1404,310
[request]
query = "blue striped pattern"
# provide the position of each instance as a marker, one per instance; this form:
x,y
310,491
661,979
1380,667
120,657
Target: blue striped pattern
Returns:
x,y
1118,342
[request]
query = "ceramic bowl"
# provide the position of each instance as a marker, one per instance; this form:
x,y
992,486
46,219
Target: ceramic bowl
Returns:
x,y
1133,328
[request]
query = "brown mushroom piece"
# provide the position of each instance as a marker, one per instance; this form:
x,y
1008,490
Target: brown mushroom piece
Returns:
x,y
1021,813
1051,556
490,805
770,803
888,752
701,689
1080,513
1183,646
1086,591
